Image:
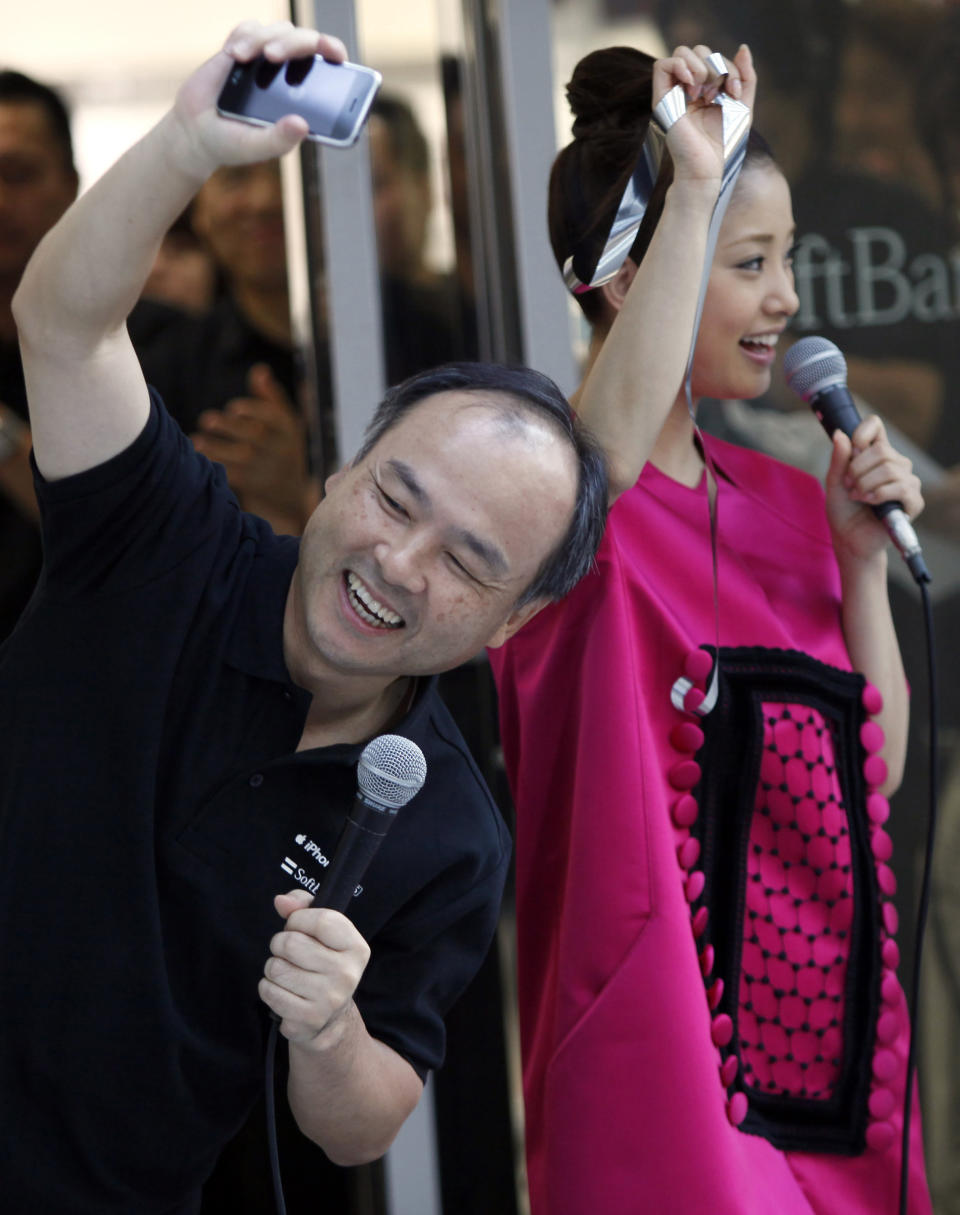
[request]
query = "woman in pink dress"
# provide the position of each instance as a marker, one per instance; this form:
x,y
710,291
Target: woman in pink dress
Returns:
x,y
710,1015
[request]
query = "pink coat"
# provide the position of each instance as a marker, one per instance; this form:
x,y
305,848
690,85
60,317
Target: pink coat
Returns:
x,y
627,1110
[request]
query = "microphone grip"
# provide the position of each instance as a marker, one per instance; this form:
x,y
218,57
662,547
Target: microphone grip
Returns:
x,y
836,410
360,838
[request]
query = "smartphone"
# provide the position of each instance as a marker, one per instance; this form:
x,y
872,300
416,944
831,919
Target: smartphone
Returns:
x,y
334,98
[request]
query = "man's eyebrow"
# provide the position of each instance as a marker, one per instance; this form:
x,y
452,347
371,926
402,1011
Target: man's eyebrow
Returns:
x,y
408,478
488,553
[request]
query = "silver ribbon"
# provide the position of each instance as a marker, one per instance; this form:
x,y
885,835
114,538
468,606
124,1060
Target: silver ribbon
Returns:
x,y
636,196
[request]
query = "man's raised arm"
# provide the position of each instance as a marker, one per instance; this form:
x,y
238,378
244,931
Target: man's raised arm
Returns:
x,y
88,399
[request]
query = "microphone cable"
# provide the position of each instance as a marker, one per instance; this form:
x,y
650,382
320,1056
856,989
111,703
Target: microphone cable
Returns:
x,y
271,1106
925,882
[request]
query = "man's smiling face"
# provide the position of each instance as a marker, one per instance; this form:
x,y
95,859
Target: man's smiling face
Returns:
x,y
419,552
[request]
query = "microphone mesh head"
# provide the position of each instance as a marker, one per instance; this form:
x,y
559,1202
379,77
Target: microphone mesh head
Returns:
x,y
391,770
812,364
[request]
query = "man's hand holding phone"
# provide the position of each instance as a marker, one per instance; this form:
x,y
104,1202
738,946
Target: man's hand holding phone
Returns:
x,y
211,140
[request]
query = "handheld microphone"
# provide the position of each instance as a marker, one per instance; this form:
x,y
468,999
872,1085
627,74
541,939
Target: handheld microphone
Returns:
x,y
817,371
390,772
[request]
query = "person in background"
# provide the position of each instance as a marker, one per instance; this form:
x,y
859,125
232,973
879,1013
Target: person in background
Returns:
x,y
419,304
184,274
38,181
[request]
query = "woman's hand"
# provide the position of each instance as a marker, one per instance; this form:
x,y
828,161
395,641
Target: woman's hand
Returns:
x,y
696,140
864,472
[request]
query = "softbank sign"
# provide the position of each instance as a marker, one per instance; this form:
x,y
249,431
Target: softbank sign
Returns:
x,y
871,281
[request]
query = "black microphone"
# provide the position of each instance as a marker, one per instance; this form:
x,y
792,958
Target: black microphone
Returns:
x,y
817,371
390,772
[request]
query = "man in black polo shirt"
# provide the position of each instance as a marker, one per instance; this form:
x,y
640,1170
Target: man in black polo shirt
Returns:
x,y
183,704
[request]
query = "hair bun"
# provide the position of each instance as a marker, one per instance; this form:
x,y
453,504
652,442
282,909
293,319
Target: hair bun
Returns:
x,y
611,90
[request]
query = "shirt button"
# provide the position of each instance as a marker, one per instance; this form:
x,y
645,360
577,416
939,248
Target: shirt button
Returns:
x,y
287,694
256,780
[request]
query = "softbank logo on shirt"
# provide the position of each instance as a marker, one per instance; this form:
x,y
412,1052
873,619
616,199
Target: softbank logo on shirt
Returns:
x,y
291,867
313,850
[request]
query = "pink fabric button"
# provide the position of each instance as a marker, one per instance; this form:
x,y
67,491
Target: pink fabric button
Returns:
x,y
758,901
706,960
884,1065
798,778
820,852
798,951
834,981
790,843
841,915
890,952
685,810
780,974
832,885
887,880
693,700
684,775
872,700
737,1108
764,1001
771,871
774,1039
875,770
792,1012
889,988
787,1075
880,1135
878,808
834,820
783,911
693,887
819,1079
887,1027
697,666
781,806
786,736
689,852
891,921
715,994
808,816
721,1030
881,845
809,984
881,1103
728,1070
700,920
686,737
871,737
823,783
822,1012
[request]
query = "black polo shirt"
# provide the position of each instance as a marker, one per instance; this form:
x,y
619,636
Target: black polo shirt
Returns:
x,y
151,806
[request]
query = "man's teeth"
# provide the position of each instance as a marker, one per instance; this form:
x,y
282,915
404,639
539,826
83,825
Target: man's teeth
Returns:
x,y
368,609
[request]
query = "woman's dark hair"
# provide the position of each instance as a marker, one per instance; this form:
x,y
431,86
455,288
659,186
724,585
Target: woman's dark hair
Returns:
x,y
610,95
519,393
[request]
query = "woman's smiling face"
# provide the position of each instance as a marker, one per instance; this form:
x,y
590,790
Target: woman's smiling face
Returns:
x,y
750,295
